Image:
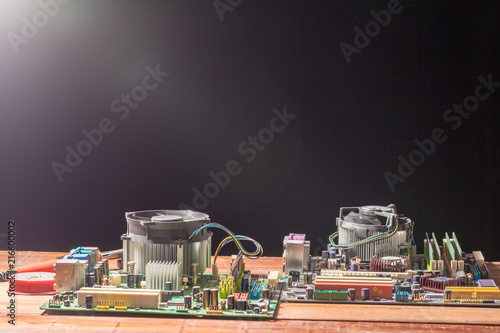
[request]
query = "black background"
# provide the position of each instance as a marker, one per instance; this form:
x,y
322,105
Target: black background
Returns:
x,y
352,120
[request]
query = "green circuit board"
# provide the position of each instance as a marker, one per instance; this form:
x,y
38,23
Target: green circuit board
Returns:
x,y
256,308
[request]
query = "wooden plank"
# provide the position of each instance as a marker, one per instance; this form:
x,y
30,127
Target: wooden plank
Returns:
x,y
390,313
291,317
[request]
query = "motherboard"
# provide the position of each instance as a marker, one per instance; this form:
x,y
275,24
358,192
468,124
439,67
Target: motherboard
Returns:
x,y
372,258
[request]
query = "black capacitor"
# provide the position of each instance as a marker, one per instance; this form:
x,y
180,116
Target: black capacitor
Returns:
x,y
324,254
416,278
91,280
168,285
365,294
230,302
187,302
206,297
89,299
138,279
66,303
351,294
130,280
241,304
196,290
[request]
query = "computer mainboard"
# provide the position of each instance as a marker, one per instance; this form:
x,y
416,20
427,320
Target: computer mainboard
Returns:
x,y
372,258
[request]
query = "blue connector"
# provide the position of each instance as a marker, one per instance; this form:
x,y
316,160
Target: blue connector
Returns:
x,y
254,293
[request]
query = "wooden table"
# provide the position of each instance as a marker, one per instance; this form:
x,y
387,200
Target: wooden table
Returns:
x,y
291,317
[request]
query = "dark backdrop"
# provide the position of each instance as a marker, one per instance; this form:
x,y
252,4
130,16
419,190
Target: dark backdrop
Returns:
x,y
352,120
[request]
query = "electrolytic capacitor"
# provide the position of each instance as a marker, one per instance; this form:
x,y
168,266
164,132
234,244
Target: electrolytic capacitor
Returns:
x,y
206,298
97,274
187,302
354,266
138,280
66,303
230,302
290,279
241,304
416,278
105,266
89,299
351,294
168,285
265,293
309,292
90,280
130,280
365,294
214,297
196,290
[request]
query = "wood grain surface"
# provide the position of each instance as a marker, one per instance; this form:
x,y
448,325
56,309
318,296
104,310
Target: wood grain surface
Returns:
x,y
292,317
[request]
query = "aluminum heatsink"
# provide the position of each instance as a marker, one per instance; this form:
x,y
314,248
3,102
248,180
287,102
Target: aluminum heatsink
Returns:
x,y
162,235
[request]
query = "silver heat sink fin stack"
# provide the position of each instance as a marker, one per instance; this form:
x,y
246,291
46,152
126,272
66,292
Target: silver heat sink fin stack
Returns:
x,y
159,272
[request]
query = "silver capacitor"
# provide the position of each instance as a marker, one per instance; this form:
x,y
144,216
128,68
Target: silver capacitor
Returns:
x,y
365,294
351,294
